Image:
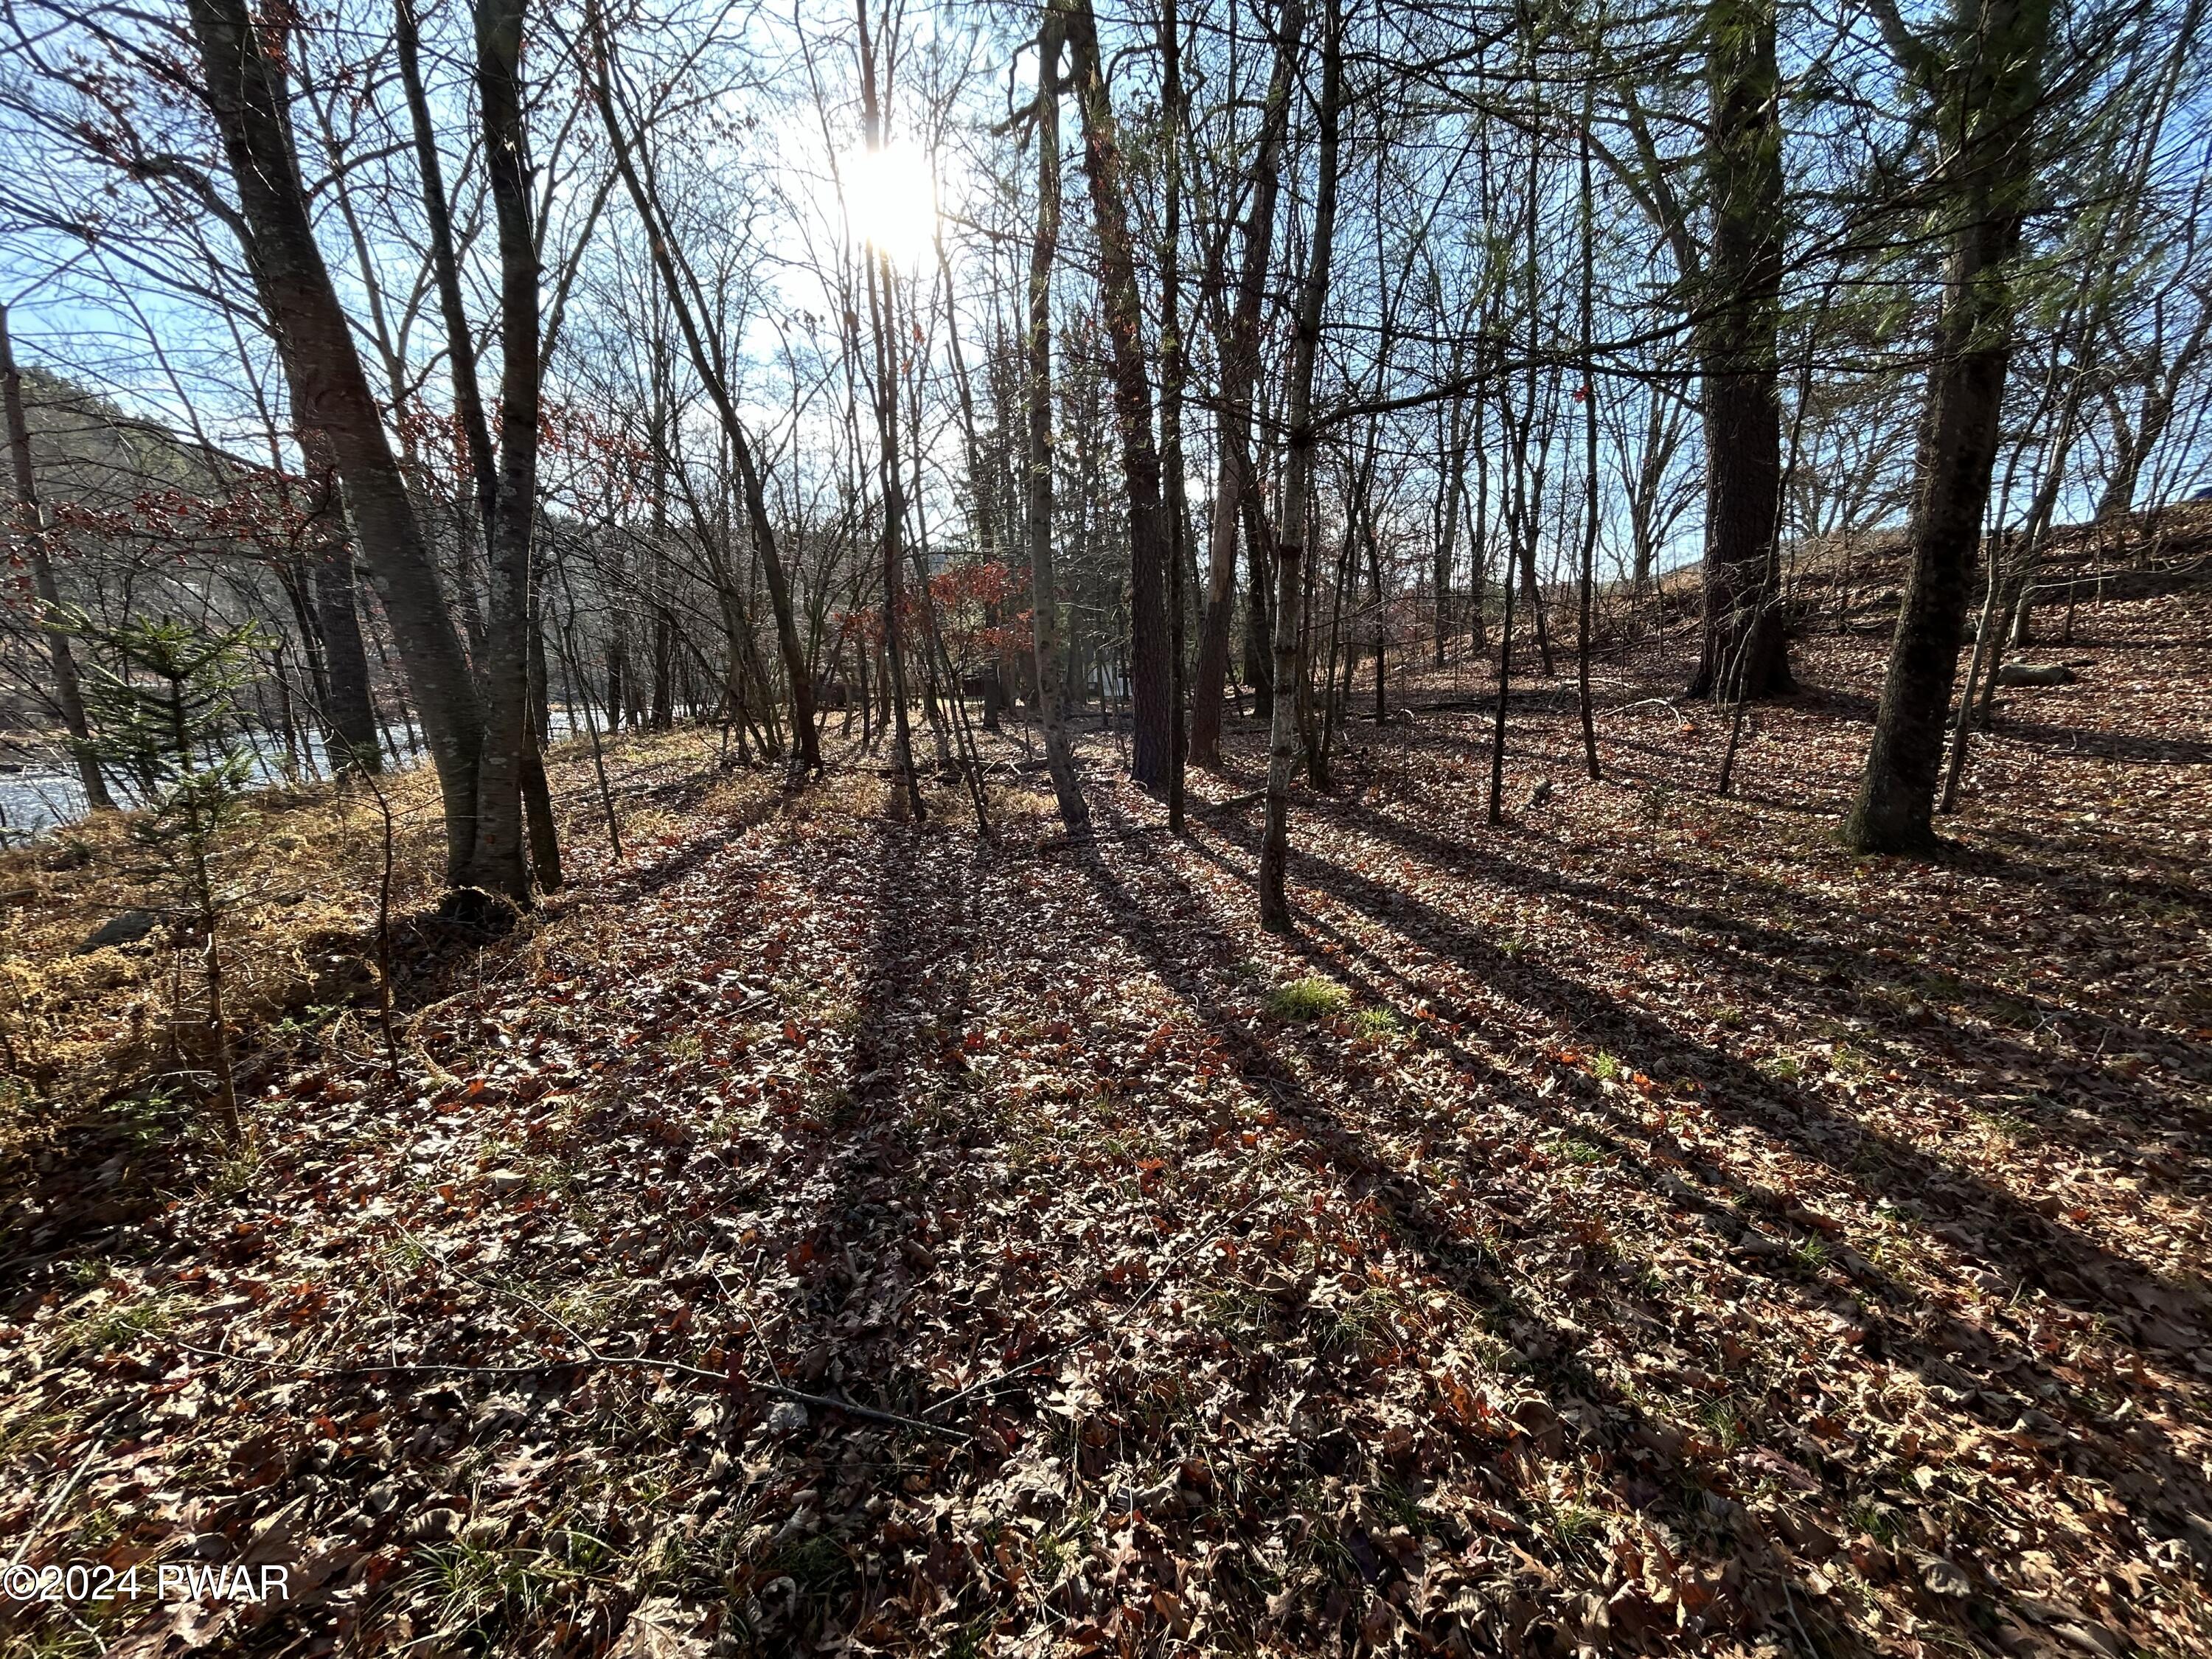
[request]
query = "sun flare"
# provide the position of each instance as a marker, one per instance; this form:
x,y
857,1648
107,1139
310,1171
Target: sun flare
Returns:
x,y
891,200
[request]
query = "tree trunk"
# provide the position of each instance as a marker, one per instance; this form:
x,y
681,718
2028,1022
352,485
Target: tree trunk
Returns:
x,y
248,100
445,272
1587,579
351,715
1744,638
1172,392
67,697
1044,593
1284,733
1150,549
1239,351
1447,553
502,863
1990,100
1258,605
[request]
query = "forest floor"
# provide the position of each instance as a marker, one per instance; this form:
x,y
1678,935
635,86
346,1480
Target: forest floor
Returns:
x,y
1642,1227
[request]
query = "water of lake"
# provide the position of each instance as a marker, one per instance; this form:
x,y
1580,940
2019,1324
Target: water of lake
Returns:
x,y
37,797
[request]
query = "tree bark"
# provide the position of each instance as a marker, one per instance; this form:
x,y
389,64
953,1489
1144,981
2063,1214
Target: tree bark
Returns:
x,y
1151,740
1044,593
1172,370
1285,735
1587,581
445,272
1988,98
1744,639
351,715
1238,348
247,99
502,863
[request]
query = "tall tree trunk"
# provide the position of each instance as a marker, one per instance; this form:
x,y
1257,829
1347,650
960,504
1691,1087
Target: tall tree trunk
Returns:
x,y
1588,577
882,299
502,863
1044,593
1284,733
247,99
347,710
1744,637
445,272
1238,348
1454,424
1478,530
1150,545
68,698
1987,100
1171,391
1259,603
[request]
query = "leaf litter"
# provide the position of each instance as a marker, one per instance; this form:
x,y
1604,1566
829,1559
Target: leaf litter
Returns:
x,y
1642,1228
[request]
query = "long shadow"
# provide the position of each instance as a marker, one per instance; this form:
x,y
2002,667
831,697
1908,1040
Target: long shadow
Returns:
x,y
1454,1252
854,1151
2095,743
1813,961
2003,855
2056,1259
1902,1326
2061,1263
1698,923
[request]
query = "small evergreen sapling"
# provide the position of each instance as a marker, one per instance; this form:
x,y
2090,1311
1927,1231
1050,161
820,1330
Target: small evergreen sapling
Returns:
x,y
165,717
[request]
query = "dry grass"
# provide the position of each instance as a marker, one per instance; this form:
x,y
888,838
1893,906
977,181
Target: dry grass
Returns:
x,y
78,1027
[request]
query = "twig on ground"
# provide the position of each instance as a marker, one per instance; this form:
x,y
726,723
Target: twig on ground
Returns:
x,y
54,1505
593,1361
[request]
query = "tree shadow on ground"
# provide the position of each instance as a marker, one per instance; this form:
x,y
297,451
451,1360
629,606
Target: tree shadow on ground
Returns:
x,y
1647,1475
1821,965
2013,1240
2091,743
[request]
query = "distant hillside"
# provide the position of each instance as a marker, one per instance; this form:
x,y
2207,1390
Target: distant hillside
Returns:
x,y
85,448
